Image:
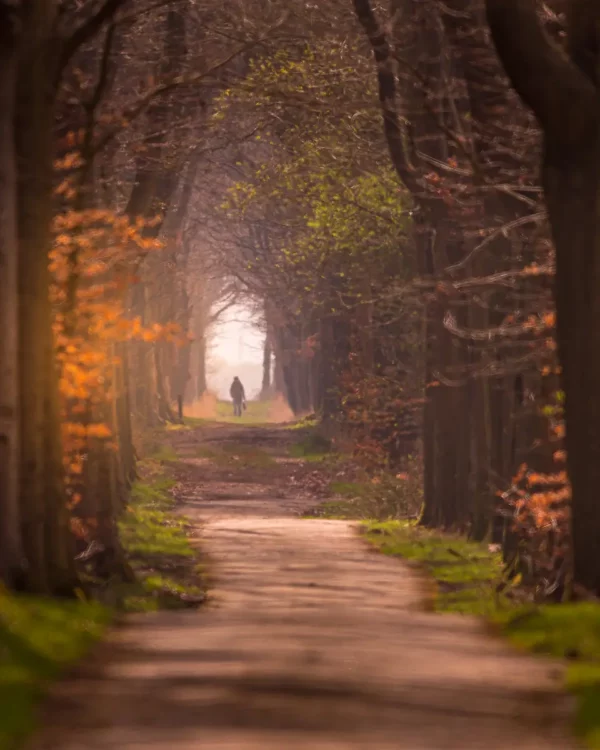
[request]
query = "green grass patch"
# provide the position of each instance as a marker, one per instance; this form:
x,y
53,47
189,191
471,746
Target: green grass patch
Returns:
x,y
352,490
256,412
313,446
163,454
309,422
467,574
39,638
157,544
567,631
191,422
347,506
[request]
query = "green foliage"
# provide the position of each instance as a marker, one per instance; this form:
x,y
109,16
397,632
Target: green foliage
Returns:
x,y
310,422
38,639
467,573
345,211
149,528
313,446
157,543
257,412
381,496
163,454
567,631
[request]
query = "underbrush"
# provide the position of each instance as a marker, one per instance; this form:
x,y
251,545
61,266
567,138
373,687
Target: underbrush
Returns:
x,y
39,638
380,495
158,545
310,421
469,579
313,447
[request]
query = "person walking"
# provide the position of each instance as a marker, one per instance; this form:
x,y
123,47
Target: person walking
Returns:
x,y
238,397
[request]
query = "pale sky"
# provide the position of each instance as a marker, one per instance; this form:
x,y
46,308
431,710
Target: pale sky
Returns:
x,y
235,341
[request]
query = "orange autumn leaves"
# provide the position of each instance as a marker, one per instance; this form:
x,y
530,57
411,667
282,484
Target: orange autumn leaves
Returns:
x,y
93,263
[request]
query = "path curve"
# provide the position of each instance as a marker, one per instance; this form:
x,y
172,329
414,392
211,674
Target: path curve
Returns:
x,y
311,640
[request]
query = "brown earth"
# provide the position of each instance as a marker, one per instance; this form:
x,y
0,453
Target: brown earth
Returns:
x,y
310,639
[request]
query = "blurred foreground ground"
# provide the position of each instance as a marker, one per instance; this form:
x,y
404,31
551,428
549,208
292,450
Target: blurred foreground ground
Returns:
x,y
310,639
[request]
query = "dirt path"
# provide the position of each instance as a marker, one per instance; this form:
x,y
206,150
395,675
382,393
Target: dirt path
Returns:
x,y
310,641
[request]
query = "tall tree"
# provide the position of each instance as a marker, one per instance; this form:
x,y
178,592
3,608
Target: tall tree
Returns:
x,y
562,89
10,536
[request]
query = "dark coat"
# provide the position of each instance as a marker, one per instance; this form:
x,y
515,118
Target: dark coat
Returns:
x,y
237,391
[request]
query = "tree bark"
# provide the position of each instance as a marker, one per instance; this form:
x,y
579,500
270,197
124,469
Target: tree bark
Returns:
x,y
10,535
48,543
265,389
563,93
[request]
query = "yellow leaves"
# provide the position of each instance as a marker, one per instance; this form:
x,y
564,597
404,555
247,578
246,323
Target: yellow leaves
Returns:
x,y
99,251
76,429
534,478
69,161
533,270
99,431
541,324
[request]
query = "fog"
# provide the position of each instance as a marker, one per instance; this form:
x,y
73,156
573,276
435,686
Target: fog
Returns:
x,y
235,348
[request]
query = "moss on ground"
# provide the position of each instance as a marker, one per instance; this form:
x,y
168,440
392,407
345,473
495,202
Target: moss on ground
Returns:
x,y
312,447
158,545
256,413
39,638
163,454
467,573
467,576
309,422
572,632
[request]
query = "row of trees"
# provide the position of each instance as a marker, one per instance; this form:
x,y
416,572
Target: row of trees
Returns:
x,y
367,177
416,258
102,137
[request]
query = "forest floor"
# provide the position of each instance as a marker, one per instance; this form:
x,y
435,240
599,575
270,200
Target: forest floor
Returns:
x,y
309,638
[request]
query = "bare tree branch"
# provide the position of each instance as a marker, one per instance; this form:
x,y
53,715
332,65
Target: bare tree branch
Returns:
x,y
87,30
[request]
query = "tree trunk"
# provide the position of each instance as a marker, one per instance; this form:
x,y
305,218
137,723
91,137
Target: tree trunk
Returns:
x,y
47,540
10,535
563,93
265,389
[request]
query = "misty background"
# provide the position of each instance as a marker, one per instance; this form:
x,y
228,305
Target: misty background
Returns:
x,y
235,347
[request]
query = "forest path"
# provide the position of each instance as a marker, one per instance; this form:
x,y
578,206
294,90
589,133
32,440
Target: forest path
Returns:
x,y
310,639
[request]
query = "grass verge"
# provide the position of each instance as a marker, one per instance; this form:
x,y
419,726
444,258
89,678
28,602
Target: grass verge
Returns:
x,y
467,576
256,413
312,447
39,638
159,547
